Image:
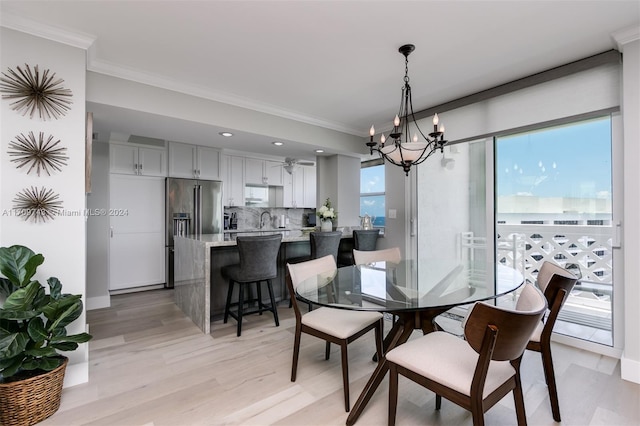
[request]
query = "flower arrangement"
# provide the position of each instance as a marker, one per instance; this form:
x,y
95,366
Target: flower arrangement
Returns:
x,y
326,212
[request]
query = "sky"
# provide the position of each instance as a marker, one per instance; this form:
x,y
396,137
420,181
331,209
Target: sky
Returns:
x,y
566,161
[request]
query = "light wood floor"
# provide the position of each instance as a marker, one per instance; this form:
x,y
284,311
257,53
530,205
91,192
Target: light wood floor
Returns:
x,y
149,365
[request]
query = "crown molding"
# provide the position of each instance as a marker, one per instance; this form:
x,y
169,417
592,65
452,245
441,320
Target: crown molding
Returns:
x,y
38,29
625,36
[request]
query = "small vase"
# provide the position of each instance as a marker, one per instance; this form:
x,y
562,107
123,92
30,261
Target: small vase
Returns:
x,y
326,226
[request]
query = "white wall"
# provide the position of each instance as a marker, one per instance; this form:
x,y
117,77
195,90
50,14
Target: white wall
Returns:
x,y
98,230
62,240
630,360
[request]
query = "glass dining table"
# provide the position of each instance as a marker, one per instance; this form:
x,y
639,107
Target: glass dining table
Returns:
x,y
414,291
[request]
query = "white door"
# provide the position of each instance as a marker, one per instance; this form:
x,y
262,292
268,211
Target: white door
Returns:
x,y
136,248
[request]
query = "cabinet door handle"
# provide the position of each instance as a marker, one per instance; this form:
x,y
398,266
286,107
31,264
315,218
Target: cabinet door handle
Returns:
x,y
135,167
111,231
140,168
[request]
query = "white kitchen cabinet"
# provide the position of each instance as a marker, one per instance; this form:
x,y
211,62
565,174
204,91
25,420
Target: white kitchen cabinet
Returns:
x,y
309,196
193,161
300,188
136,244
137,160
263,172
234,174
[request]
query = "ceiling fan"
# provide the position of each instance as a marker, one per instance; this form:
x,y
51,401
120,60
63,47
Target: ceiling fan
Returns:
x,y
291,164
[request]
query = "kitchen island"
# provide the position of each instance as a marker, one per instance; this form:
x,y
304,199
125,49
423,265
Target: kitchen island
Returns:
x,y
200,290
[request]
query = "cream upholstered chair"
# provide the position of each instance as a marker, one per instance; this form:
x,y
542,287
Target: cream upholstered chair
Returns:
x,y
556,283
477,372
389,255
339,326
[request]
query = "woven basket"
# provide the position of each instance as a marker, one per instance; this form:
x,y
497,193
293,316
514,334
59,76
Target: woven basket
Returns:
x,y
29,401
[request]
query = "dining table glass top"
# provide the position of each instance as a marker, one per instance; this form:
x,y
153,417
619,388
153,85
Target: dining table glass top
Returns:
x,y
409,285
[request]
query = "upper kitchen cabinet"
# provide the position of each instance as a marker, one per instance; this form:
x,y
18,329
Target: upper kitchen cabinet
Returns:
x,y
263,172
133,159
233,187
300,188
194,162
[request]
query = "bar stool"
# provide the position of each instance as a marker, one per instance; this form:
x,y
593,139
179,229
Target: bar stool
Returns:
x,y
258,264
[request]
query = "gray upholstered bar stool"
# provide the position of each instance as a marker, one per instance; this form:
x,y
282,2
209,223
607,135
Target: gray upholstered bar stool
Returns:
x,y
258,264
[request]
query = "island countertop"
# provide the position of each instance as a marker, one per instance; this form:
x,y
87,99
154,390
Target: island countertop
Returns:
x,y
229,238
198,286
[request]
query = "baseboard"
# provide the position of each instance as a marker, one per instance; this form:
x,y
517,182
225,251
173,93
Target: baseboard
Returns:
x,y
629,369
76,374
136,289
98,302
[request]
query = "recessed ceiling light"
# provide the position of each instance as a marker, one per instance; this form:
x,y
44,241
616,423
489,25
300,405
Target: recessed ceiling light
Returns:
x,y
226,134
319,151
278,143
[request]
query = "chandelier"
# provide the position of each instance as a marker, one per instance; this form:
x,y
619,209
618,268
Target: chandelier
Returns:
x,y
403,151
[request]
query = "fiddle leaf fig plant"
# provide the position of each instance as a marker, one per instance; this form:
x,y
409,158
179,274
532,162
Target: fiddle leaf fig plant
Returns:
x,y
32,322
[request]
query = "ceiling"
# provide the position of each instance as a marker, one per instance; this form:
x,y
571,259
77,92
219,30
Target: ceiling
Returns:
x,y
329,63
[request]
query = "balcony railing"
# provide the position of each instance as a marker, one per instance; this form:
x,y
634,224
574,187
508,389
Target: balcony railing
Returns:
x,y
585,250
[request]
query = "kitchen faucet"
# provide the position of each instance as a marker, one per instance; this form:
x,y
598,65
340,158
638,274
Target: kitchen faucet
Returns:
x,y
262,216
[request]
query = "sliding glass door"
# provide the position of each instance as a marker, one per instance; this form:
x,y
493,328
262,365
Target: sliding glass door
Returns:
x,y
554,200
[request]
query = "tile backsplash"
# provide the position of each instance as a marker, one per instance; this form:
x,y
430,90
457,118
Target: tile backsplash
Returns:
x,y
249,217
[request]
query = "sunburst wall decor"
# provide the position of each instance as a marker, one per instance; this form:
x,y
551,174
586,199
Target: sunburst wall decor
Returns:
x,y
33,92
37,204
38,153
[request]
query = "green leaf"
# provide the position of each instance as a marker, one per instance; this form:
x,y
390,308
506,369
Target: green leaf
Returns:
x,y
13,367
36,330
78,338
19,264
46,364
55,308
17,315
13,344
65,346
70,313
55,288
40,352
6,287
22,299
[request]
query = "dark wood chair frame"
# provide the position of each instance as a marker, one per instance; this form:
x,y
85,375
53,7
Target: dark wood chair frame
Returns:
x,y
302,328
482,333
556,292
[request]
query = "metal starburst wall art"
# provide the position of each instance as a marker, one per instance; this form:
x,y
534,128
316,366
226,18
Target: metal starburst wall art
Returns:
x,y
35,92
38,153
37,204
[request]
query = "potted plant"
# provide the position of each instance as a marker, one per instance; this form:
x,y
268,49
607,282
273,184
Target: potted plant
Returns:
x,y
32,331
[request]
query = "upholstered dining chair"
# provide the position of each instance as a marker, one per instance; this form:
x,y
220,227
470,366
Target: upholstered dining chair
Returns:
x,y
477,372
389,255
321,244
556,283
258,264
339,326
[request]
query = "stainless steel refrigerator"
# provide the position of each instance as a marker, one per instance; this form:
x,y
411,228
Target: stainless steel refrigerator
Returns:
x,y
193,206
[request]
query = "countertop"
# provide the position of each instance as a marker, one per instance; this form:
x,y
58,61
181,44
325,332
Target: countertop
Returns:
x,y
229,239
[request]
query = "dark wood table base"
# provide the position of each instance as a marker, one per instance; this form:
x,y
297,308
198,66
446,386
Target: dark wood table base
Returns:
x,y
400,332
